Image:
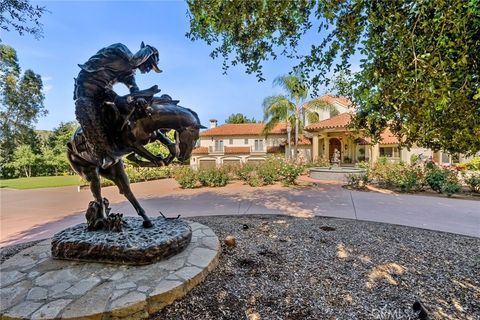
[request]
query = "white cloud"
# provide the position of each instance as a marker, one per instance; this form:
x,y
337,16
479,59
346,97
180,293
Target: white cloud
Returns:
x,y
47,87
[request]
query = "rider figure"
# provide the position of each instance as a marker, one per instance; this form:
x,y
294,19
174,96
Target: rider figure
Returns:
x,y
93,87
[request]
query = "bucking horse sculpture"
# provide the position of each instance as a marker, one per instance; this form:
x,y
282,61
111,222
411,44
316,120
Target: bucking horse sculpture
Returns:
x,y
129,134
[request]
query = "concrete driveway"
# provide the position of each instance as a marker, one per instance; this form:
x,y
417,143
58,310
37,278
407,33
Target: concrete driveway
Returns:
x,y
39,213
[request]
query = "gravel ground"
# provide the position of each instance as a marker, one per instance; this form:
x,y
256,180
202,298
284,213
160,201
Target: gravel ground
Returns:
x,y
326,268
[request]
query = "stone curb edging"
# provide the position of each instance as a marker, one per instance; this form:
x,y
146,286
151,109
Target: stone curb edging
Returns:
x,y
35,286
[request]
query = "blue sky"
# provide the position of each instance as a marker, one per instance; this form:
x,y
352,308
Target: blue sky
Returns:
x,y
75,30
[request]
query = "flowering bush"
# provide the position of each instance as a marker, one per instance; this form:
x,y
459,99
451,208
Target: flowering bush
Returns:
x,y
268,172
273,169
254,180
289,172
186,177
319,162
409,178
397,175
472,179
214,177
442,180
357,181
244,172
473,164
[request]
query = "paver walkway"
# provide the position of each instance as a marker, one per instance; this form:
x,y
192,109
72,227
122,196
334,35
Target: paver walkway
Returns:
x,y
39,213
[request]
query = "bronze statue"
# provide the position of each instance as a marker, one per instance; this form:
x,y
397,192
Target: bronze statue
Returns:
x,y
113,126
142,128
93,87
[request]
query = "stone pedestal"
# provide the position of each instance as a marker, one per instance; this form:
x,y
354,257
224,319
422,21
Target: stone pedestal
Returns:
x,y
133,245
35,286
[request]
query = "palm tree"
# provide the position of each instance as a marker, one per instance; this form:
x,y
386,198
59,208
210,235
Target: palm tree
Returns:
x,y
289,108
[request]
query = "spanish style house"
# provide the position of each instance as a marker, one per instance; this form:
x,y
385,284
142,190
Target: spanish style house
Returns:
x,y
235,144
332,133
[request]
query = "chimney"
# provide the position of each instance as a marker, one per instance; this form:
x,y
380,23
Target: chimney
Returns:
x,y
213,123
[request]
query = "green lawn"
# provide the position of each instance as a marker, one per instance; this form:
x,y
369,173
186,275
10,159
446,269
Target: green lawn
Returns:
x,y
40,182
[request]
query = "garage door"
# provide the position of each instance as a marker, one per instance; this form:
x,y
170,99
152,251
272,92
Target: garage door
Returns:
x,y
232,163
207,164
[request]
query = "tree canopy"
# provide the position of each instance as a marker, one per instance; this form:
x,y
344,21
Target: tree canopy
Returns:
x,y
239,118
22,17
419,68
21,104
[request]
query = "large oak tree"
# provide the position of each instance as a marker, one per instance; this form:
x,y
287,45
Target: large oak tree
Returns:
x,y
21,105
420,67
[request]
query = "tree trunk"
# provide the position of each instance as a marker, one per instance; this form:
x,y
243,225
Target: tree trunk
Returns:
x,y
289,147
295,146
297,115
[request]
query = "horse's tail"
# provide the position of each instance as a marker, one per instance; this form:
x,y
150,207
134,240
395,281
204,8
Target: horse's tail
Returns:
x,y
90,117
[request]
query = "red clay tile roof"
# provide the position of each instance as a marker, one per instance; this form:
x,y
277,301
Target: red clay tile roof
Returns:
x,y
236,150
332,99
340,121
363,142
200,150
302,141
242,129
386,137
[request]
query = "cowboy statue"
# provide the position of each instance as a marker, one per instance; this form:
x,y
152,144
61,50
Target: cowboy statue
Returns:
x,y
93,89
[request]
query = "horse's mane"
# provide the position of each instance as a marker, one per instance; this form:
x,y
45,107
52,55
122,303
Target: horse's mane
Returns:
x,y
194,114
187,110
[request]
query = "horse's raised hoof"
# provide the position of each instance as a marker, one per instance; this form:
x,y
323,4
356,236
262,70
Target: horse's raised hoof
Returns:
x,y
147,224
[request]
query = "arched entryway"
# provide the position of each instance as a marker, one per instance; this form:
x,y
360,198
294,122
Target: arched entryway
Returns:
x,y
334,143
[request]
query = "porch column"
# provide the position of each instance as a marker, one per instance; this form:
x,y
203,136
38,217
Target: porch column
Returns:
x,y
315,143
326,144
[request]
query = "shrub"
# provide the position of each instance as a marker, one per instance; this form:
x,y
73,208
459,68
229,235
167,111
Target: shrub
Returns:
x,y
436,177
244,171
254,180
290,172
320,162
139,174
397,175
269,170
366,166
473,164
186,177
442,180
213,177
409,178
472,180
357,181
414,158
384,173
450,187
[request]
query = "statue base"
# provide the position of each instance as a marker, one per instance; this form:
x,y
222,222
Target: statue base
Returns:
x,y
134,245
35,286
